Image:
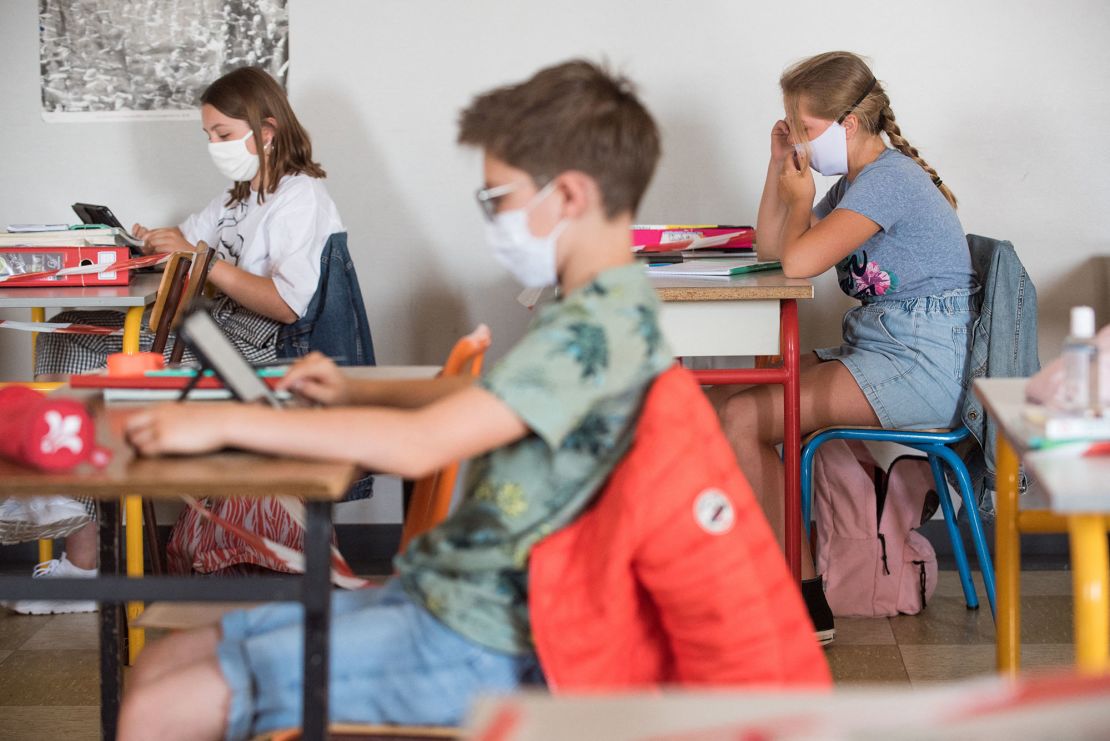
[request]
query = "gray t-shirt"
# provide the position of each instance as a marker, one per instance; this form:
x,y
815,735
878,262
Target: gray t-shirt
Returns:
x,y
920,248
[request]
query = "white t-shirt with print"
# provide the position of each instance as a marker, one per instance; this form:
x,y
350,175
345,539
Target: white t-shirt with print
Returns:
x,y
282,238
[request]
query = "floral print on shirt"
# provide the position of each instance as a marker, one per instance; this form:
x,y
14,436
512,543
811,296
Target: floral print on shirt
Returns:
x,y
862,279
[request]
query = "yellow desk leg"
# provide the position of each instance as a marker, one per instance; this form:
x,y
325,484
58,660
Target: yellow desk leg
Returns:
x,y
1089,562
133,506
132,323
1007,557
38,314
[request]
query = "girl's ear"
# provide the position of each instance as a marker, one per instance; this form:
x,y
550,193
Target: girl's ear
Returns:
x,y
269,131
851,125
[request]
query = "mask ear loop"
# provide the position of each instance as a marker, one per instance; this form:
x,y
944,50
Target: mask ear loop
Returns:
x,y
544,192
859,100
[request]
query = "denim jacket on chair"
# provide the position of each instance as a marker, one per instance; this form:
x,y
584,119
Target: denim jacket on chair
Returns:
x,y
1003,345
335,321
334,324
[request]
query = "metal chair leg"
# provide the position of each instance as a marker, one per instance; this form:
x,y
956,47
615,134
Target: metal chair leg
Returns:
x,y
958,551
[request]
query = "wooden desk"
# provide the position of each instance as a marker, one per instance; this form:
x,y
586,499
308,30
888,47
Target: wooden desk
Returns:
x,y
226,474
1078,503
755,314
135,297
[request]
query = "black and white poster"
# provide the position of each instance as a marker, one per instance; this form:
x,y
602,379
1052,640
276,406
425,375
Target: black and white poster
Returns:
x,y
151,59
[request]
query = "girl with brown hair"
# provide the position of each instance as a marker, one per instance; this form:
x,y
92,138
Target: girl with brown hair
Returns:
x,y
269,229
890,229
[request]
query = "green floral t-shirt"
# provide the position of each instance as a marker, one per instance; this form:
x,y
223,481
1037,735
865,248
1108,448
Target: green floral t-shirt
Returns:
x,y
577,379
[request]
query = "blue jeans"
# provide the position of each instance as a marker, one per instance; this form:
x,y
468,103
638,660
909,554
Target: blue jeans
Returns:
x,y
391,662
910,357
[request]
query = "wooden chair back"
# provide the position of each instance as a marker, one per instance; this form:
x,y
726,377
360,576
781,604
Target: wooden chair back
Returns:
x,y
174,277
198,279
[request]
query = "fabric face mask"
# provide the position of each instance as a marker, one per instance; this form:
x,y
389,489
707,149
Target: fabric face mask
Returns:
x,y
233,159
529,258
828,153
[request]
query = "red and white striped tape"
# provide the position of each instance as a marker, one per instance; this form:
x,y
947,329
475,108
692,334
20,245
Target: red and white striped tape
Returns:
x,y
58,327
134,263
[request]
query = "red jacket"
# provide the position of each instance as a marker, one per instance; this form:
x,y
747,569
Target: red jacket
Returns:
x,y
673,575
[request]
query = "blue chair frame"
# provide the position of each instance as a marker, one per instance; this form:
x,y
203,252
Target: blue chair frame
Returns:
x,y
935,445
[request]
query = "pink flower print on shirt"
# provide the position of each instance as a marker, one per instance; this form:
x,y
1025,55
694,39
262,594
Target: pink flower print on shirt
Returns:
x,y
860,278
874,282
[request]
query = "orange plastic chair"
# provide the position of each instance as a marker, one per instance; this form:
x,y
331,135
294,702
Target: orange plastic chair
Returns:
x,y
431,496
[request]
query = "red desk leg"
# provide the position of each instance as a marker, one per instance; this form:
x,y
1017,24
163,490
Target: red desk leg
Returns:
x,y
792,439
789,376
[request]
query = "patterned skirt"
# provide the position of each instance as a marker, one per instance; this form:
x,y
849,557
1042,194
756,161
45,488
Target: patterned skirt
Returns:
x,y
198,545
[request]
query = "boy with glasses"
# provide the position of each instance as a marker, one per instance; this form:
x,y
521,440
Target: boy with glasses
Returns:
x,y
568,156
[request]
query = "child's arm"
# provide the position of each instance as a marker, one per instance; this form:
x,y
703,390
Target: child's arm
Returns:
x,y
809,248
772,209
316,378
257,293
408,443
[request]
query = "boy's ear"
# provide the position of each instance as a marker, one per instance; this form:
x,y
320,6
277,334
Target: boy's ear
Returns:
x,y
581,193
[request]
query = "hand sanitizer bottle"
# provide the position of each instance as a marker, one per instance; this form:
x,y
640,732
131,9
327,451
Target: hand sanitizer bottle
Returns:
x,y
1079,395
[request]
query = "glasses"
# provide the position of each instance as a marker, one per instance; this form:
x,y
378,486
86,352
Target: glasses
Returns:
x,y
488,197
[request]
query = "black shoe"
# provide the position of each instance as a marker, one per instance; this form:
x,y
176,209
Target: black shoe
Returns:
x,y
819,612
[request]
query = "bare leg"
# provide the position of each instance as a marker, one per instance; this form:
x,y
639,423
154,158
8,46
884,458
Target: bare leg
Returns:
x,y
81,547
191,704
752,421
171,653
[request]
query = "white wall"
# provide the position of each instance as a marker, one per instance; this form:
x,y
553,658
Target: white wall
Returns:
x,y
1007,100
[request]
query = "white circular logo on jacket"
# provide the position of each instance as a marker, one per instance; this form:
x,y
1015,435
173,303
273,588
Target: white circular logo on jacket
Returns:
x,y
713,512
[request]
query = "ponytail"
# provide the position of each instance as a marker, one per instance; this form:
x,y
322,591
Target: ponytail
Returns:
x,y
889,126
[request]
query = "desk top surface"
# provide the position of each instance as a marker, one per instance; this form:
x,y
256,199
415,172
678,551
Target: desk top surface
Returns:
x,y
766,285
142,291
769,285
224,474
1073,483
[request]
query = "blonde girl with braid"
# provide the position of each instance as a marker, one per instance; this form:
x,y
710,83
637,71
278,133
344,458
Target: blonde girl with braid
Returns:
x,y
889,228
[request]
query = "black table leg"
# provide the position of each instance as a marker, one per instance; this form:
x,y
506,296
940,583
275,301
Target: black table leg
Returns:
x,y
111,622
317,618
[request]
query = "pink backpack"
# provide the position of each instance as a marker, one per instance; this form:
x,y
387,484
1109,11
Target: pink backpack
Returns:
x,y
874,561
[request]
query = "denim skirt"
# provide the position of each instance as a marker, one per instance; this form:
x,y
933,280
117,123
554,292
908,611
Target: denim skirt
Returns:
x,y
910,357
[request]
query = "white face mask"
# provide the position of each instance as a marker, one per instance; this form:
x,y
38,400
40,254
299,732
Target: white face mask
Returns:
x,y
233,159
529,258
828,153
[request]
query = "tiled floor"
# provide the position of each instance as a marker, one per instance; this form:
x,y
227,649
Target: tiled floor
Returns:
x,y
948,641
49,680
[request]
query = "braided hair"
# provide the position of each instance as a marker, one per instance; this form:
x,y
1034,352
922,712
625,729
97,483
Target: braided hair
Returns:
x,y
831,83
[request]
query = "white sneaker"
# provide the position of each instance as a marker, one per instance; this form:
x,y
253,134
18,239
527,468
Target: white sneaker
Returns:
x,y
54,568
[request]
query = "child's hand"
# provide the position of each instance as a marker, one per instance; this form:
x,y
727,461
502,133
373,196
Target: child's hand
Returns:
x,y
796,186
177,428
316,378
780,142
166,239
138,231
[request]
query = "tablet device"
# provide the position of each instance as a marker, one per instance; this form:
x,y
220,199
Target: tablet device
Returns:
x,y
90,213
203,336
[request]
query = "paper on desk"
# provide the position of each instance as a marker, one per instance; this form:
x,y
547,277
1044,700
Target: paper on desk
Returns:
x,y
25,228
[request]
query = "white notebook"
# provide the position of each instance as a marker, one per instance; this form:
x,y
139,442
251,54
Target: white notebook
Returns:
x,y
718,268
